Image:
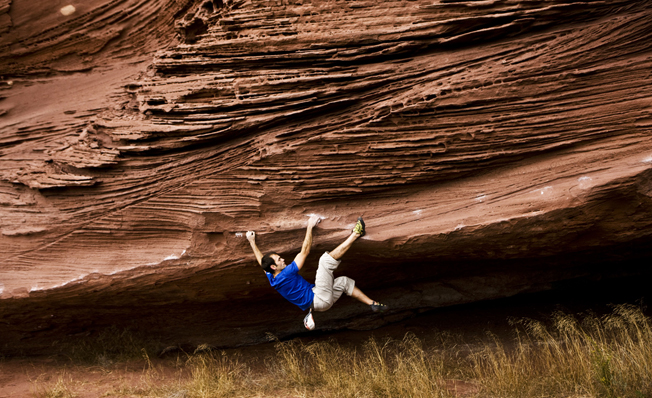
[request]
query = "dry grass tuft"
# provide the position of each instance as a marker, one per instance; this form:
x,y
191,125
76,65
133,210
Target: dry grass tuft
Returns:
x,y
609,356
62,388
214,374
388,369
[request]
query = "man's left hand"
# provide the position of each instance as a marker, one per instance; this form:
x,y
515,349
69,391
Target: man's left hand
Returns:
x,y
251,236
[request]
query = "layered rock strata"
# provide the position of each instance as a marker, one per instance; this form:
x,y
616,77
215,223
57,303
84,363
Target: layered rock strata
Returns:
x,y
494,148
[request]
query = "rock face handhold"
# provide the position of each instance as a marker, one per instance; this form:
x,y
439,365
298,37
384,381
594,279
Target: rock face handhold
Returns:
x,y
494,148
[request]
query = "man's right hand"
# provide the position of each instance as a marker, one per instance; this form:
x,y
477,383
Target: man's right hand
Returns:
x,y
251,236
314,220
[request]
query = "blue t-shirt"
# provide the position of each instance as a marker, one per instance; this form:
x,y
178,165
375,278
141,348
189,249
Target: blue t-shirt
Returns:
x,y
292,286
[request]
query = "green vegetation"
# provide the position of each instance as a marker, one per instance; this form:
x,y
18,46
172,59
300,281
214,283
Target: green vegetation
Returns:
x,y
608,356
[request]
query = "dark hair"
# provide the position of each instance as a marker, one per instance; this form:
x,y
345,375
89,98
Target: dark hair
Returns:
x,y
267,262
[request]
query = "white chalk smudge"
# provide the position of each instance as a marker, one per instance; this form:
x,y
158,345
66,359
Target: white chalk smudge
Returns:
x,y
239,235
585,182
543,190
68,10
417,212
174,257
317,215
480,198
647,159
459,226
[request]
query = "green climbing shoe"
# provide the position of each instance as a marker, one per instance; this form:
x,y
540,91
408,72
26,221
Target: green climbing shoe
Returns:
x,y
359,227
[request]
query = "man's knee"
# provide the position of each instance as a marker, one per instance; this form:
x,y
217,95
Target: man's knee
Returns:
x,y
344,284
329,262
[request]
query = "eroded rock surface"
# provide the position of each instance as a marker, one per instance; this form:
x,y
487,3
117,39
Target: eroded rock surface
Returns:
x,y
494,148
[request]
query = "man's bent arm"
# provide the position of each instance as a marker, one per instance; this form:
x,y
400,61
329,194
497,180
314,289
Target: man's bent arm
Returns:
x,y
251,237
300,259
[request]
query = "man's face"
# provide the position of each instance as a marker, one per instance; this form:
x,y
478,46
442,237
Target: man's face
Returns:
x,y
280,262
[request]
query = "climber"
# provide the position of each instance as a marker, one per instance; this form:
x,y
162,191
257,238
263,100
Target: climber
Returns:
x,y
324,293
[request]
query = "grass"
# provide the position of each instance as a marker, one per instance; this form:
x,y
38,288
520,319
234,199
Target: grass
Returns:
x,y
594,356
388,369
608,356
62,388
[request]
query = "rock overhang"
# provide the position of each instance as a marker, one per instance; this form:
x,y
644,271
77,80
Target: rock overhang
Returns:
x,y
477,139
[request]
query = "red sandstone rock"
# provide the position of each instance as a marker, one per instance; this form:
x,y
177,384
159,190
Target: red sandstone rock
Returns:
x,y
494,148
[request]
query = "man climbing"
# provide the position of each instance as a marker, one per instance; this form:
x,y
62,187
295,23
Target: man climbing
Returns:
x,y
324,293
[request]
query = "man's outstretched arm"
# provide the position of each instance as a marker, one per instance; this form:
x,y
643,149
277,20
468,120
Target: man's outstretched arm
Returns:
x,y
300,259
251,237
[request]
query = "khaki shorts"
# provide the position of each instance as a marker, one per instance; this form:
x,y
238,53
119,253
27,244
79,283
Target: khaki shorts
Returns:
x,y
327,288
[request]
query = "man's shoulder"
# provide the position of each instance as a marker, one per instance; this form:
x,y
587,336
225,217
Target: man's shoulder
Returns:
x,y
287,275
288,270
292,268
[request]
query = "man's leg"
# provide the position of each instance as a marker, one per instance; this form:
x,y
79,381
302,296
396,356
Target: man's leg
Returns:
x,y
358,231
344,246
358,295
329,290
